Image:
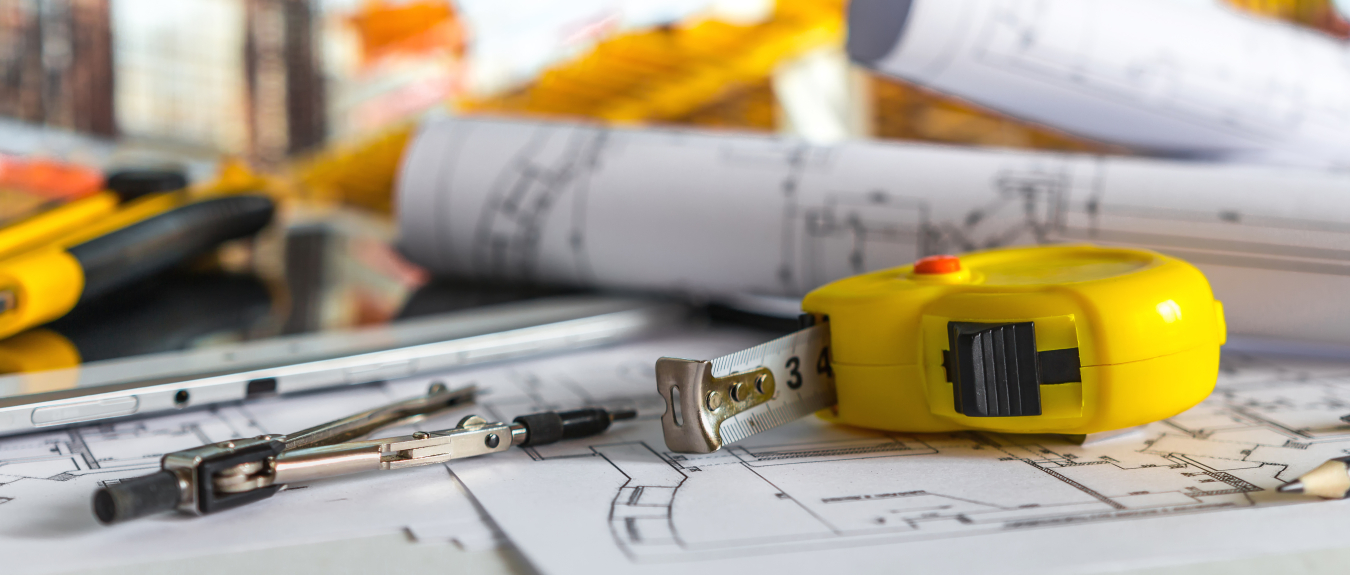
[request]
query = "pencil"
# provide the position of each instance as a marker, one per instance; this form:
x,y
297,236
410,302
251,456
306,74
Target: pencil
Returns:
x,y
1331,480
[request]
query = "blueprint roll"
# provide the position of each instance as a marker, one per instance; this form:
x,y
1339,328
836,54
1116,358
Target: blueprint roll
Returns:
x,y
719,215
1185,79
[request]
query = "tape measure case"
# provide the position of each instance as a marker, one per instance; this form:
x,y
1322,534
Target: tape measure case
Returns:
x,y
1050,339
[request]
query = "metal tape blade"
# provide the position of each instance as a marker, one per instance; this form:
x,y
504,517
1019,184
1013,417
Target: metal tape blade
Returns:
x,y
710,404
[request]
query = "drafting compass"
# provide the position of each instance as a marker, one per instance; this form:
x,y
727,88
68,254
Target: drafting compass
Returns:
x,y
1054,339
228,474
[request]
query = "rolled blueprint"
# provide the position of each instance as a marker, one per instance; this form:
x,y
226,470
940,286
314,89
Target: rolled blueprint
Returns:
x,y
717,215
1192,79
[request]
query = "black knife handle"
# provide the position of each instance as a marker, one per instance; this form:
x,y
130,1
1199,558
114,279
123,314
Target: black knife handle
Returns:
x,y
157,243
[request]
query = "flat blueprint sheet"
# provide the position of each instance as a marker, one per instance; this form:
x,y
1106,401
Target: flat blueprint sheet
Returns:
x,y
805,497
48,479
810,497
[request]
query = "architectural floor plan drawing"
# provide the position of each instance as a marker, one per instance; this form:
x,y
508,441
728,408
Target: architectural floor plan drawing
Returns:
x,y
110,452
873,496
1198,485
657,210
48,479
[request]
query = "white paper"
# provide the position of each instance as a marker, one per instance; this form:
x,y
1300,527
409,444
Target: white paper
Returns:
x,y
811,497
47,481
717,214
1194,79
804,497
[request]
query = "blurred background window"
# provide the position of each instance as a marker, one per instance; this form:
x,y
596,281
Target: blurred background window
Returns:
x,y
273,81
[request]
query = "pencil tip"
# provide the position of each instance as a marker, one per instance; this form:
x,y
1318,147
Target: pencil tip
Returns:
x,y
1293,487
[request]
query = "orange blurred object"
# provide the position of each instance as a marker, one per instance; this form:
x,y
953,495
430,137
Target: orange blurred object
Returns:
x,y
673,72
388,29
48,178
359,173
1319,14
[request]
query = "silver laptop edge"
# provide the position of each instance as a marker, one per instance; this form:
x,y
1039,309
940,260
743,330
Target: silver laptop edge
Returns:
x,y
633,318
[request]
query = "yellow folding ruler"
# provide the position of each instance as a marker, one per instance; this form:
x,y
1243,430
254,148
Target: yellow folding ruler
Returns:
x,y
1049,339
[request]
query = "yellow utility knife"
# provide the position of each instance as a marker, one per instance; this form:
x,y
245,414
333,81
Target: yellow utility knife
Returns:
x,y
144,237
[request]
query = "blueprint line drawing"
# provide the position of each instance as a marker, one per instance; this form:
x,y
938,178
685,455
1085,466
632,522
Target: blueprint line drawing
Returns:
x,y
116,450
1179,484
506,240
643,522
811,485
47,480
635,506
717,215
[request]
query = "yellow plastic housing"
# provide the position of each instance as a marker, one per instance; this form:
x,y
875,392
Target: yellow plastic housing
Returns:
x,y
40,350
44,284
1147,329
45,227
39,280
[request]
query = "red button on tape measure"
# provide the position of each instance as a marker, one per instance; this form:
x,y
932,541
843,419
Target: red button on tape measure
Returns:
x,y
937,265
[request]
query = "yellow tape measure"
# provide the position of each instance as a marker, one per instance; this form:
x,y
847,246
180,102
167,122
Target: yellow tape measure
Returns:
x,y
1050,339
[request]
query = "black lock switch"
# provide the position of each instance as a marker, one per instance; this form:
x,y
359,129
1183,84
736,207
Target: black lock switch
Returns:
x,y
995,370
